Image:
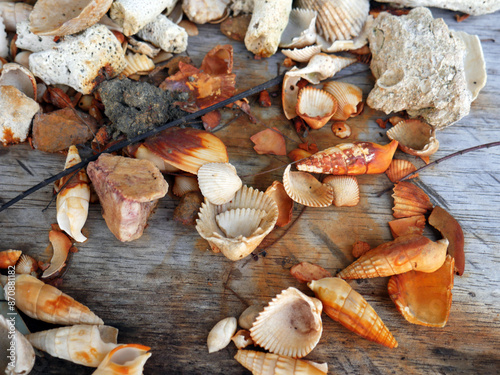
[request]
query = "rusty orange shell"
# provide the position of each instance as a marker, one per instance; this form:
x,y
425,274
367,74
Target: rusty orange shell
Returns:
x,y
9,258
409,200
351,158
405,253
346,306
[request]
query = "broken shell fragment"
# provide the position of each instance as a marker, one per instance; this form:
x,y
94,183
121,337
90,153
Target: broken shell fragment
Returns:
x,y
415,137
321,67
305,272
305,189
283,201
301,29
345,190
400,168
142,47
408,225
24,358
424,298
239,221
185,184
220,335
137,64
20,77
9,258
289,325
14,13
409,200
165,34
203,11
290,93
302,54
406,253
249,315
124,359
315,107
83,344
349,97
26,264
242,339
142,152
218,182
346,306
473,8
60,245
4,42
341,129
475,68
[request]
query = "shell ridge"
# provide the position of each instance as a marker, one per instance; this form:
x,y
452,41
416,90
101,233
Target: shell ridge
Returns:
x,y
359,315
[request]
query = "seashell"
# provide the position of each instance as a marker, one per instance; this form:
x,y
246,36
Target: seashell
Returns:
x,y
474,8
26,264
321,67
140,151
218,182
82,344
13,13
187,149
203,11
47,303
350,158
346,306
24,358
9,258
339,19
190,27
240,221
290,94
345,190
406,253
315,107
283,201
409,200
124,359
349,98
297,154
302,54
400,168
241,246
289,325
303,188
137,64
359,248
73,201
249,315
408,225
415,137
184,184
348,45
61,245
341,130
242,339
300,30
305,272
424,298
260,363
20,77
142,47
220,335
165,34
4,42
77,16
175,14
22,58
162,57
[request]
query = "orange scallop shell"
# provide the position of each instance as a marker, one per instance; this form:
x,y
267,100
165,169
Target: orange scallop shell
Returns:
x,y
409,200
315,107
400,168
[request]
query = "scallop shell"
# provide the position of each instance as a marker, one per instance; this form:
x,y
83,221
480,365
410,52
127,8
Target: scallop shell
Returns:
x,y
349,97
26,264
339,19
400,168
77,16
409,200
20,77
218,182
345,190
145,48
124,359
289,325
424,298
302,54
321,67
303,188
9,258
240,222
315,107
301,29
348,45
290,93
137,64
415,137
241,246
185,184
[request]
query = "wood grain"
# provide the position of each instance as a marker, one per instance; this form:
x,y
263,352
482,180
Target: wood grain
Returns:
x,y
167,290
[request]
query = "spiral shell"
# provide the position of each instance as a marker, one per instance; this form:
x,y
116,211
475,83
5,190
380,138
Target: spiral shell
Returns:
x,y
24,358
315,107
124,359
302,54
321,67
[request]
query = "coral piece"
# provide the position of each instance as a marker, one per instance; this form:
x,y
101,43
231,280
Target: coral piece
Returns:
x,y
203,11
165,34
360,248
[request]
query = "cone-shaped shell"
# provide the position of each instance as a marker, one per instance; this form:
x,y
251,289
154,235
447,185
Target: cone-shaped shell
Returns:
x,y
47,303
301,29
404,254
9,258
20,77
124,359
26,264
260,363
415,137
409,200
424,298
400,168
290,93
185,184
345,190
346,306
24,358
315,107
236,248
83,344
302,54
137,64
289,325
349,97
305,189
321,67
47,18
218,182
351,158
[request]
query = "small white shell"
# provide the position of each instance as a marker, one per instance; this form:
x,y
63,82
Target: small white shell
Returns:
x,y
14,13
303,188
302,54
301,30
4,40
321,67
316,107
220,336
24,358
20,77
290,94
345,190
348,98
124,359
218,182
137,64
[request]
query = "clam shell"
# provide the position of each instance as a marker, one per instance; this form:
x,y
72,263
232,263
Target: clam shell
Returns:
x,y
240,222
315,107
20,77
400,168
301,29
415,137
345,190
303,188
290,93
77,16
218,182
124,359
302,54
289,325
137,64
60,245
241,246
185,184
321,67
424,298
9,258
348,97
409,200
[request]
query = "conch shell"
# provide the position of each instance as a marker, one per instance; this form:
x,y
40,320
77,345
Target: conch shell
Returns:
x,y
124,359
303,54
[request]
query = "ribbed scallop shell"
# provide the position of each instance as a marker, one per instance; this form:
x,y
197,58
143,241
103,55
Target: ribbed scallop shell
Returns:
x,y
260,363
315,107
137,64
289,325
303,188
124,359
26,264
321,67
240,222
346,306
348,98
345,190
409,200
415,137
218,182
16,75
239,247
424,298
301,29
302,54
290,93
9,258
185,184
400,168
47,17
348,45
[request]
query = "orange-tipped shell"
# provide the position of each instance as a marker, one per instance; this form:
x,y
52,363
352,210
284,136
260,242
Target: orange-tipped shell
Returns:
x,y
9,258
402,255
283,201
346,306
400,168
409,200
303,188
345,190
315,107
126,359
415,137
348,97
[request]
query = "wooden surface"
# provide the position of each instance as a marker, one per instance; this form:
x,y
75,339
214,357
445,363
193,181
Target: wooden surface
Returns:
x,y
167,290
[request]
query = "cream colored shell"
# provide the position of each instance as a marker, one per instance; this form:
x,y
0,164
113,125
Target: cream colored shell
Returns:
x,y
316,107
24,359
16,75
203,11
218,182
220,335
415,137
303,188
290,94
301,29
302,54
321,67
137,64
124,359
345,190
13,13
348,98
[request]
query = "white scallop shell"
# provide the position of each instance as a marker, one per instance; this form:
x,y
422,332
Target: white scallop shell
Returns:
x,y
321,67
303,188
316,107
301,29
240,222
347,45
348,97
20,77
345,190
137,64
302,54
185,184
218,182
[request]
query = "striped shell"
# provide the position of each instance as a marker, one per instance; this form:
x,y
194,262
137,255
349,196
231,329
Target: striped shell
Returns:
x,y
349,98
321,67
399,168
305,189
315,107
302,54
185,184
124,359
137,64
301,29
409,200
415,137
26,264
240,221
345,190
218,182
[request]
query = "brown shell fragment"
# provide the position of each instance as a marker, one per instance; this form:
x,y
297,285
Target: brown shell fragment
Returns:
x,y
9,258
424,298
360,248
400,168
409,200
305,272
186,211
303,188
452,231
345,190
415,137
284,202
407,225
